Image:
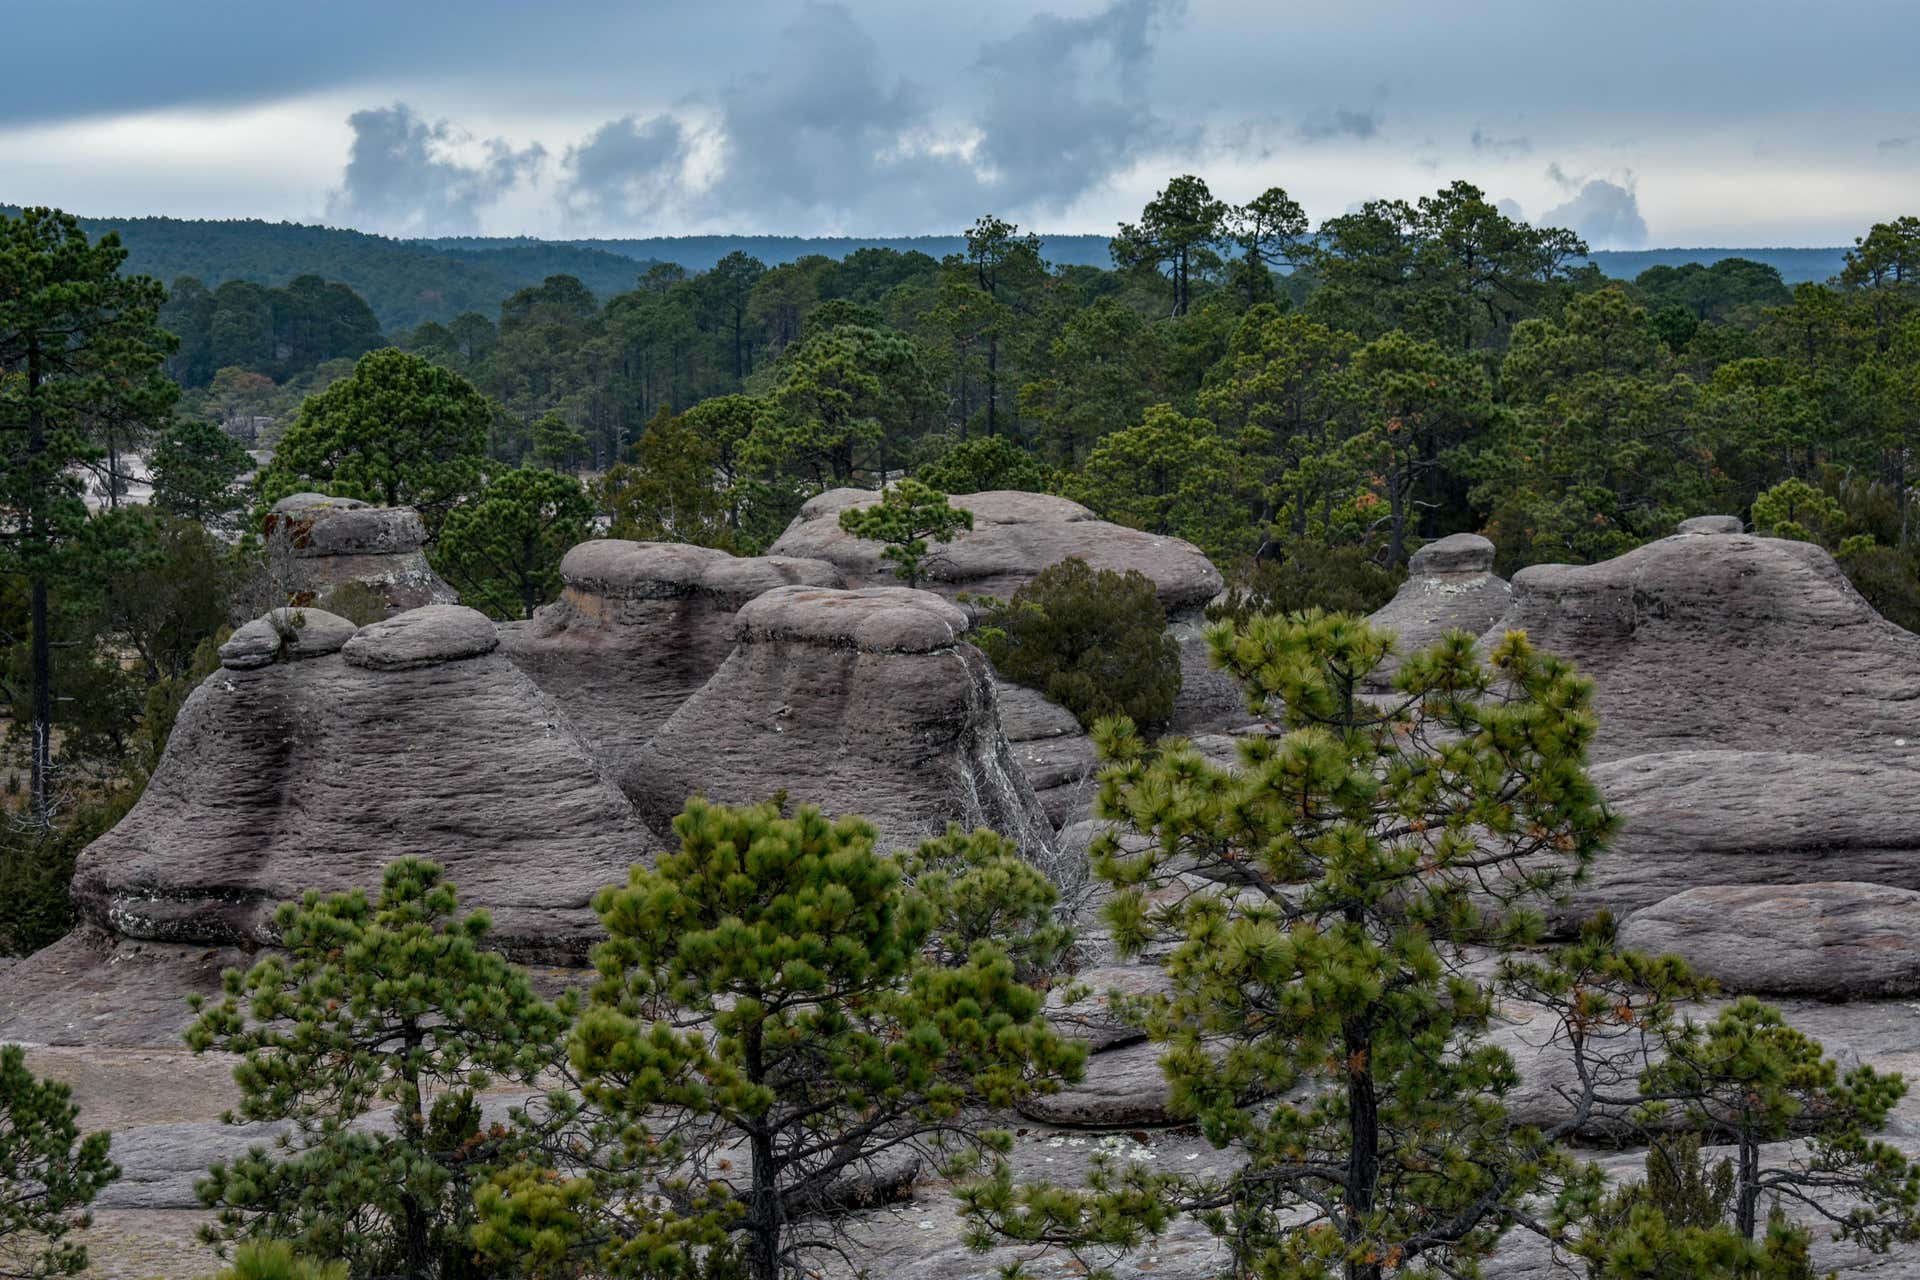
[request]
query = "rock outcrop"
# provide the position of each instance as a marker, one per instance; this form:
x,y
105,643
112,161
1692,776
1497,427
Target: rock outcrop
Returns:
x,y
1835,941
1450,586
1014,536
1051,749
639,627
321,544
345,750
861,701
1759,723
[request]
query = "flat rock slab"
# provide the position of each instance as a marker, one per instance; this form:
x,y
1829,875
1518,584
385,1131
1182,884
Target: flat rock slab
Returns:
x,y
1124,1087
1092,1018
91,988
1837,939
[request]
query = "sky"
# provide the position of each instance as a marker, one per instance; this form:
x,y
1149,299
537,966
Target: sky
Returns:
x,y
1637,123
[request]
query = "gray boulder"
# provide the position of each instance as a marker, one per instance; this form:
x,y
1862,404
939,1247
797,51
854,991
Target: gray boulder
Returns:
x,y
1832,940
639,627
1051,748
1711,525
1123,1087
864,701
1014,536
414,739
1450,586
319,543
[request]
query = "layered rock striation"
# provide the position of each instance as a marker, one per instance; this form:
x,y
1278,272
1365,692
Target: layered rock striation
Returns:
x,y
638,629
1450,586
863,701
316,764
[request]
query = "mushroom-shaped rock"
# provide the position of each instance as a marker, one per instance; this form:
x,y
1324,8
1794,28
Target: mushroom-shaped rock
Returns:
x,y
1835,940
1450,586
285,633
860,701
323,543
1711,525
639,627
1014,536
414,739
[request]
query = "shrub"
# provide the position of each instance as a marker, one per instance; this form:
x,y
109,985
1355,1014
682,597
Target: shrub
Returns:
x,y
49,1173
1092,640
276,1260
1306,575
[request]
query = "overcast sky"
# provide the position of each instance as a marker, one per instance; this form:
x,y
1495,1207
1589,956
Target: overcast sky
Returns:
x,y
1636,122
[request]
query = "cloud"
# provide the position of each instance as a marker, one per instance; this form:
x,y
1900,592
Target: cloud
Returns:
x,y
1604,214
1341,123
406,175
1492,145
1893,146
1066,104
1511,209
626,169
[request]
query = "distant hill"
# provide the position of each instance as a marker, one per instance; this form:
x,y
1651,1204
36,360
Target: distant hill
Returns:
x,y
698,253
404,281
1796,266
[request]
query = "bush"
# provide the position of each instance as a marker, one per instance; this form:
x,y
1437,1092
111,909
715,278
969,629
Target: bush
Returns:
x,y
49,1173
1092,640
1306,575
276,1260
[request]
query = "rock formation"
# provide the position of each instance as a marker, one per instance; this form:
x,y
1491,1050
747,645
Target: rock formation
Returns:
x,y
1836,941
1450,586
314,766
1759,722
638,629
321,544
1051,749
860,701
1014,536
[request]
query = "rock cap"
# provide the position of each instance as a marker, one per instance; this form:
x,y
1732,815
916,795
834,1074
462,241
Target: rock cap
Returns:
x,y
1711,525
423,637
1455,553
292,633
623,570
869,619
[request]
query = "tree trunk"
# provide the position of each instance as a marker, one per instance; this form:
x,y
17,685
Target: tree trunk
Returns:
x,y
1747,1216
1363,1126
993,385
763,1203
39,789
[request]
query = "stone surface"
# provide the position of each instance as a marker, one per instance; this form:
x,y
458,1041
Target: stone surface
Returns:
x,y
1450,586
95,989
863,701
285,633
320,543
1051,748
1838,940
1729,643
639,627
1711,525
423,637
1092,1018
1015,535
1124,1087
316,774
1751,817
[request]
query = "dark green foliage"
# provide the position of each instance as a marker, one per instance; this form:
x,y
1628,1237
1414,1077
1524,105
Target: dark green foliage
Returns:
x,y
195,466
770,983
277,332
396,1003
399,432
908,515
1092,640
1306,575
502,551
985,463
49,1173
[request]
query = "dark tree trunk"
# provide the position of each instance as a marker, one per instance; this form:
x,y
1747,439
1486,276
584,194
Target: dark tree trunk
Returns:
x,y
1363,1122
40,786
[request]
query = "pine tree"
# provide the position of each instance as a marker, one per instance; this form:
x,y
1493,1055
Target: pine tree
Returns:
x,y
770,1026
907,515
1354,855
49,1174
389,1004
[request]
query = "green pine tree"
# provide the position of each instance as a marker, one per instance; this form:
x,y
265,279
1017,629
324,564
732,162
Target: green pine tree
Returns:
x,y
908,514
389,1004
49,1173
